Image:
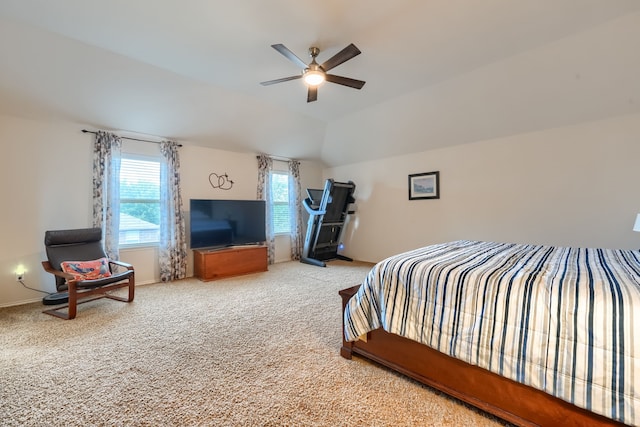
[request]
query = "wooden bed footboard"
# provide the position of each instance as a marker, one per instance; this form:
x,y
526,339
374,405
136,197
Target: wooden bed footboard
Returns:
x,y
507,399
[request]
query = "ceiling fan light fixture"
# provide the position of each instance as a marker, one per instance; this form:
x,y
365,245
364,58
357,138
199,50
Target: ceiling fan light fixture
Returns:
x,y
314,77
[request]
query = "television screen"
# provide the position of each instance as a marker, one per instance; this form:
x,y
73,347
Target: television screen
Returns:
x,y
220,223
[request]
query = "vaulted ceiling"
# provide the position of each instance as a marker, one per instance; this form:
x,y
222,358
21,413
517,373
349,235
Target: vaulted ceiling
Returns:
x,y
191,70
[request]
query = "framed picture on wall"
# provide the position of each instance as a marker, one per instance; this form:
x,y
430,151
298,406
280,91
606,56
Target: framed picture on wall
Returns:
x,y
424,185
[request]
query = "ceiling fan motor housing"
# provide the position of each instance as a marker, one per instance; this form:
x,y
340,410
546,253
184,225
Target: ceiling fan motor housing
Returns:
x,y
313,65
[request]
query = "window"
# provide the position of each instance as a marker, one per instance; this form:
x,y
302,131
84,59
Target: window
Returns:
x,y
280,197
139,200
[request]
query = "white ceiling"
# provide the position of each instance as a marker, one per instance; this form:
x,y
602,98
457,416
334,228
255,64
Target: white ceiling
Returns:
x,y
190,70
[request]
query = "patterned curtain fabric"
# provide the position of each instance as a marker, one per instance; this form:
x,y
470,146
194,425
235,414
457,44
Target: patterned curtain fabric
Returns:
x,y
265,166
107,156
173,242
295,209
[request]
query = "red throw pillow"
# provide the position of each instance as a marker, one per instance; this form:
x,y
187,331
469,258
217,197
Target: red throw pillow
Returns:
x,y
87,270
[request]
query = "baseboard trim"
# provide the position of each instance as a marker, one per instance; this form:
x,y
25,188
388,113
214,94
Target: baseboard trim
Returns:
x,y
21,302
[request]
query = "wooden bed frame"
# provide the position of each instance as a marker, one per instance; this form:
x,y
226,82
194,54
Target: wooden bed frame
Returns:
x,y
507,399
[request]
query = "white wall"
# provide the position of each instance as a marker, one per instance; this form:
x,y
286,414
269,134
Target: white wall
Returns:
x,y
45,183
572,186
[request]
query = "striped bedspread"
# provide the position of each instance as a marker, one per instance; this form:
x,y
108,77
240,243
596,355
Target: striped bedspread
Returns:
x,y
562,320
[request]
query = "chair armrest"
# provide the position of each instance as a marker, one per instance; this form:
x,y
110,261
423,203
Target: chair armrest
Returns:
x,y
121,264
49,269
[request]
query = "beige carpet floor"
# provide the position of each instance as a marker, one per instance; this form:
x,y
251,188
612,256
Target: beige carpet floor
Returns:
x,y
257,350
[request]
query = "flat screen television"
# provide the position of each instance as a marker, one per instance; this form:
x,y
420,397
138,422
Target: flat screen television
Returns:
x,y
222,223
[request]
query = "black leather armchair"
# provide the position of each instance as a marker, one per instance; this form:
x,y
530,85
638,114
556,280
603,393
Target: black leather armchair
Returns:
x,y
83,244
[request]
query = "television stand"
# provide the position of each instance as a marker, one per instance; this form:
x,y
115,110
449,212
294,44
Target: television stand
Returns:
x,y
229,262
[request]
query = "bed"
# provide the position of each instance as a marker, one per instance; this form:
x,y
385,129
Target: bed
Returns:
x,y
537,335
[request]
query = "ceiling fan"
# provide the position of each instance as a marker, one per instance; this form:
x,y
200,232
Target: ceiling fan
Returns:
x,y
315,74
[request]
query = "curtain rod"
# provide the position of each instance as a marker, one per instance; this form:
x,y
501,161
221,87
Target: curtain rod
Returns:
x,y
282,159
126,137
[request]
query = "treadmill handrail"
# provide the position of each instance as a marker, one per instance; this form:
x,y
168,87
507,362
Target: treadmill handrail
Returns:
x,y
311,210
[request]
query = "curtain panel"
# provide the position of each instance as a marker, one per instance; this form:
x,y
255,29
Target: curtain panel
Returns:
x,y
295,209
107,157
173,242
265,167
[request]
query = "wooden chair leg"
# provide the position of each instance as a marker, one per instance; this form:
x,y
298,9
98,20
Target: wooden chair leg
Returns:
x,y
71,306
73,301
132,289
132,286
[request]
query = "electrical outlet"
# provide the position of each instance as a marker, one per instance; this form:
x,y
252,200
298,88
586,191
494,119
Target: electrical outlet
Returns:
x,y
19,277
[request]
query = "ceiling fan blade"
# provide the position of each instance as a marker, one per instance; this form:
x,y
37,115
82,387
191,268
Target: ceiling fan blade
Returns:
x,y
289,55
344,55
312,94
284,79
345,81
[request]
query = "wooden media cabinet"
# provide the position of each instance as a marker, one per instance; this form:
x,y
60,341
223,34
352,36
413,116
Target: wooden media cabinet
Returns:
x,y
220,263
